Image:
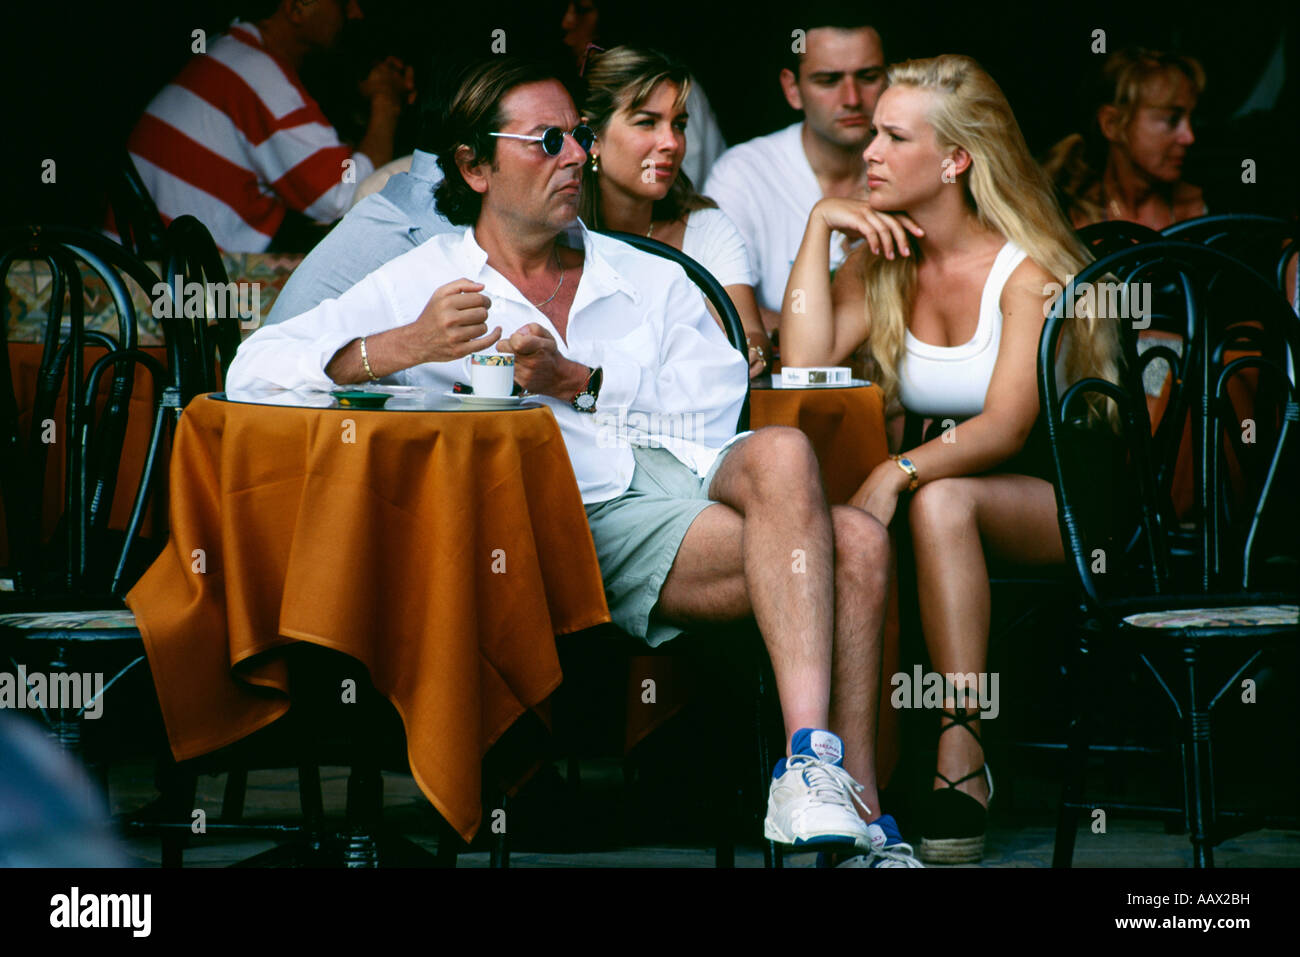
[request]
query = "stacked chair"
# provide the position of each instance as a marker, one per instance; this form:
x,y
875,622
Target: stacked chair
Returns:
x,y
1199,595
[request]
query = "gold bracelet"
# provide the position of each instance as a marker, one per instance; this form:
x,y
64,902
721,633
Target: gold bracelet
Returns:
x,y
906,464
365,361
759,349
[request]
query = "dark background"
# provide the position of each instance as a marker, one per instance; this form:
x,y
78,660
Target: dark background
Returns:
x,y
78,74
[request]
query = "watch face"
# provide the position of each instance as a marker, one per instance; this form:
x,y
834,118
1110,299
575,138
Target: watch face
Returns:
x,y
906,462
585,401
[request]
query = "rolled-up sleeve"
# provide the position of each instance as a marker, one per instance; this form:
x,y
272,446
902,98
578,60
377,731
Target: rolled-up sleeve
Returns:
x,y
293,354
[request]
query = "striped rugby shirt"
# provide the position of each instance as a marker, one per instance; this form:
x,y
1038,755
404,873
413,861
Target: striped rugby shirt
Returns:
x,y
236,141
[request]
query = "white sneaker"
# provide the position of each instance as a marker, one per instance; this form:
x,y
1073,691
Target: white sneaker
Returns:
x,y
888,849
812,797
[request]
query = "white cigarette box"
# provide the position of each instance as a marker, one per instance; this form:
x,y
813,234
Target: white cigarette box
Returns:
x,y
816,375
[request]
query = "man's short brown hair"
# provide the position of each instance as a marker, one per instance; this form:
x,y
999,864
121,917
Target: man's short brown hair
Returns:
x,y
471,114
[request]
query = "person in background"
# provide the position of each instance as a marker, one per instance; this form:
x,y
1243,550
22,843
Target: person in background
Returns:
x,y
236,140
635,183
1129,163
401,215
581,26
948,293
768,185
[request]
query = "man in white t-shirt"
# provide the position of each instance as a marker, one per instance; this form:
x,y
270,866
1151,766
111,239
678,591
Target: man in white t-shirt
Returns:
x,y
769,185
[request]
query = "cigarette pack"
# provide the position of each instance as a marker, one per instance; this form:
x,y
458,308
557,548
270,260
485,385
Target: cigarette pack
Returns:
x,y
816,375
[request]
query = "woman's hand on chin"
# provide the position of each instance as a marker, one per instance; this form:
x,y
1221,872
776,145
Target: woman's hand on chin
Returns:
x,y
885,233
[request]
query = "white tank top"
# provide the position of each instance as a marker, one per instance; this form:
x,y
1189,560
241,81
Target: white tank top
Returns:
x,y
939,381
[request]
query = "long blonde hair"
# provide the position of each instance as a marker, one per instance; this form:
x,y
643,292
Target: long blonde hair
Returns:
x,y
1010,195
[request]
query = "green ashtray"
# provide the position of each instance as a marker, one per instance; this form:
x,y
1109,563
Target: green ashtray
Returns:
x,y
358,399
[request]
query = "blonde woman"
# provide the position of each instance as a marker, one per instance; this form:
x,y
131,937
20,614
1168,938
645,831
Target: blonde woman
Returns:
x,y
948,296
1129,165
636,103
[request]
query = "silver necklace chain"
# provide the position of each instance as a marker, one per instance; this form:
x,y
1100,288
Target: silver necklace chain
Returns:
x,y
555,249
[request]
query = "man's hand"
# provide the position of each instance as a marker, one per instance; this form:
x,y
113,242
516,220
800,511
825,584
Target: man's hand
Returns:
x,y
453,324
539,367
391,82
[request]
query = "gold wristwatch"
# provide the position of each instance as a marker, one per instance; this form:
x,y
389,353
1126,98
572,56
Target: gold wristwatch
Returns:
x,y
906,464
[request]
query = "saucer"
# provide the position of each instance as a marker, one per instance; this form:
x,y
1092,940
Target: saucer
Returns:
x,y
360,399
488,401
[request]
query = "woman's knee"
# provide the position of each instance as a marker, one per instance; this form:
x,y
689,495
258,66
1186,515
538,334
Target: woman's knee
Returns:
x,y
944,505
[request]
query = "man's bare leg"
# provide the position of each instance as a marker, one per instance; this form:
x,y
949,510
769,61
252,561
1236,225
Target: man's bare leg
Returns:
x,y
861,579
772,502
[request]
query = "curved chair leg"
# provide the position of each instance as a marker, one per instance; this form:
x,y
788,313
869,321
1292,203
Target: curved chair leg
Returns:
x,y
1198,769
1076,760
232,798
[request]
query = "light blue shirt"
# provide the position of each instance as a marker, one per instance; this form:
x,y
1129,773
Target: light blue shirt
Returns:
x,y
381,227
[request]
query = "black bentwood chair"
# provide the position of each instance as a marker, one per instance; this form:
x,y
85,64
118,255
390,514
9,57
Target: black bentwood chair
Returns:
x,y
1253,238
202,334
1200,597
137,220
65,616
730,660
1112,235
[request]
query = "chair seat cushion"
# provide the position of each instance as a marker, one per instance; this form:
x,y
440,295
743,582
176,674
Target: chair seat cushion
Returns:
x,y
92,620
1235,616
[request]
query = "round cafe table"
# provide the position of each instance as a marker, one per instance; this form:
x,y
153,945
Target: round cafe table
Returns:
x,y
420,540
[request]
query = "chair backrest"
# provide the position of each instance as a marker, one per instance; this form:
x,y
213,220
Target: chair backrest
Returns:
x,y
94,428
1112,235
138,223
200,347
713,292
1117,520
1253,238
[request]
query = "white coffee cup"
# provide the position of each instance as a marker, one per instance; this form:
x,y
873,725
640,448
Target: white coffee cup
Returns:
x,y
492,374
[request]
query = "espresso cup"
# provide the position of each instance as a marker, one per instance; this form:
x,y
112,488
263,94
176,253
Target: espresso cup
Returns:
x,y
492,374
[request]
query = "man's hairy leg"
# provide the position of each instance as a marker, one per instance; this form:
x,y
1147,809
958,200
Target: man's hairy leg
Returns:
x,y
767,549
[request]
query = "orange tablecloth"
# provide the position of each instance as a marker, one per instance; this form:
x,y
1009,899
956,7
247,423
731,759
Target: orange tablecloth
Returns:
x,y
847,430
444,550
846,427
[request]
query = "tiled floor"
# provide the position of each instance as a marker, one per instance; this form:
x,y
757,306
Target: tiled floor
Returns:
x,y
604,813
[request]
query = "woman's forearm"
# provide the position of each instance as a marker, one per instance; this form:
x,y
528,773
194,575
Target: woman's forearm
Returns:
x,y
977,445
807,314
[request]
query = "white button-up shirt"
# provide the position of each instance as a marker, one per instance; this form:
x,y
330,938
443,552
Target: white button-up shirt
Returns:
x,y
671,379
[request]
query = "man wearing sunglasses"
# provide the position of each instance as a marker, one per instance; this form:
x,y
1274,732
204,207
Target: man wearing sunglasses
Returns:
x,y
691,522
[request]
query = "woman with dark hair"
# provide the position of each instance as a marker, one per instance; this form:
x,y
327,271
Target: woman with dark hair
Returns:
x,y
947,298
1129,165
636,103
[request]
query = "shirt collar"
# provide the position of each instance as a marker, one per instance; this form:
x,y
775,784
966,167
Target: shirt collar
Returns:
x,y
597,272
424,166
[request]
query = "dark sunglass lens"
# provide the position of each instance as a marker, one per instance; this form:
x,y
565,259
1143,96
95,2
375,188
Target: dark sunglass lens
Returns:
x,y
553,141
584,136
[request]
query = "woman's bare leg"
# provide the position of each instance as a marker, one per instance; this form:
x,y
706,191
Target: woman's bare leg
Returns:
x,y
953,521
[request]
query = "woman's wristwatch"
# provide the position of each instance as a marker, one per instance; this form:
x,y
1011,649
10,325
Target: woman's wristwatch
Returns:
x,y
906,464
762,356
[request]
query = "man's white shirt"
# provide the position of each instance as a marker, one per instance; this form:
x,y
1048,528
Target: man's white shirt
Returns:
x,y
767,187
671,378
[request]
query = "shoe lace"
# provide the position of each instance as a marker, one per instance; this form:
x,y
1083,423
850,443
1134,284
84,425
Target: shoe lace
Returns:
x,y
898,851
828,783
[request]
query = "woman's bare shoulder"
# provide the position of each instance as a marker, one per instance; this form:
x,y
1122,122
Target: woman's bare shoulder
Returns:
x,y
1028,281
